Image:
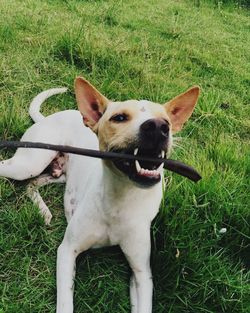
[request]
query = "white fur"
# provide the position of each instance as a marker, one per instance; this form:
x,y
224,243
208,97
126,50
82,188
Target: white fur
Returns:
x,y
102,208
34,194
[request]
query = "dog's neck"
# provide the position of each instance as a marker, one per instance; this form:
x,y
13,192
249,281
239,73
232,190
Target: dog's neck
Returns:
x,y
121,187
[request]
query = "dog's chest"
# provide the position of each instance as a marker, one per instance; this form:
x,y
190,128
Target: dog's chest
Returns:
x,y
126,210
110,207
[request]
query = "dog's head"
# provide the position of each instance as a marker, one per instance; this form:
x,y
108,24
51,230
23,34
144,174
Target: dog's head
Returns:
x,y
134,127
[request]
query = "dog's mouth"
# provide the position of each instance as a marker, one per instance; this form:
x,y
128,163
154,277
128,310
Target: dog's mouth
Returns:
x,y
144,173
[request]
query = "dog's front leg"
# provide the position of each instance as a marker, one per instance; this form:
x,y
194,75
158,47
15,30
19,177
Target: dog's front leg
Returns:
x,y
81,234
133,294
136,248
66,258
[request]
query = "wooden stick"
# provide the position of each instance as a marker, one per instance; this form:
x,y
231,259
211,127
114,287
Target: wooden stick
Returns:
x,y
171,165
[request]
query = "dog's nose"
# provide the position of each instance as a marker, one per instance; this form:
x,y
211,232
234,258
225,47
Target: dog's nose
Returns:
x,y
154,133
155,129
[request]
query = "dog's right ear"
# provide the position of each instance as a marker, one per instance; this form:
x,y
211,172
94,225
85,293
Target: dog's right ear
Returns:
x,y
181,107
91,103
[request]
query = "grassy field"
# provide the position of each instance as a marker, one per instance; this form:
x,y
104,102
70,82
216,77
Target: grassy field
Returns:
x,y
142,50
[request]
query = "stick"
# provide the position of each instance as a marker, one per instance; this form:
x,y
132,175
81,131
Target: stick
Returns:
x,y
171,165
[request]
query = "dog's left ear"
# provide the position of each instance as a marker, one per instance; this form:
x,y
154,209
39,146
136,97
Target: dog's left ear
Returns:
x,y
181,108
91,103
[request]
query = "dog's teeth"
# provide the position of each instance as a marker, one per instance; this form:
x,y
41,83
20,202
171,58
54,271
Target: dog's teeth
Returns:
x,y
138,167
135,151
147,172
156,173
160,167
161,154
142,171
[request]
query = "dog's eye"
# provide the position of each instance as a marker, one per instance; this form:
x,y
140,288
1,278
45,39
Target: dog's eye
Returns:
x,y
119,118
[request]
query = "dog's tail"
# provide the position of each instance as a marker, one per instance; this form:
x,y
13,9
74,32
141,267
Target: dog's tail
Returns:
x,y
34,110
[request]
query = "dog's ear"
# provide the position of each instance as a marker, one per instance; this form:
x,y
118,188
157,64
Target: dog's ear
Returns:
x,y
91,103
181,107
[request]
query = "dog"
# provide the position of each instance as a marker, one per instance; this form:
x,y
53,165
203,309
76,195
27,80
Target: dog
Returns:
x,y
106,202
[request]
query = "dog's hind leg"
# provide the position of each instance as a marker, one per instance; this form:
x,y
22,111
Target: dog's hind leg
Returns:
x,y
34,195
26,163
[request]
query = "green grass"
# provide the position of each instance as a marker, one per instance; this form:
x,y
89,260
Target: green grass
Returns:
x,y
142,50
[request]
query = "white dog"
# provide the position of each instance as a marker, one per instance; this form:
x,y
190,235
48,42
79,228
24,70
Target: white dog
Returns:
x,y
106,202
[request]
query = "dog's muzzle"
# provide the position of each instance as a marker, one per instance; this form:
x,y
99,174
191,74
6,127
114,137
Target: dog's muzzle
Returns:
x,y
152,142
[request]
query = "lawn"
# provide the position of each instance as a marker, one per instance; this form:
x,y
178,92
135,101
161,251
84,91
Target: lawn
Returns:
x,y
143,50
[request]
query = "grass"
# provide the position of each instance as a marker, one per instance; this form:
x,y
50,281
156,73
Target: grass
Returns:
x,y
143,50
